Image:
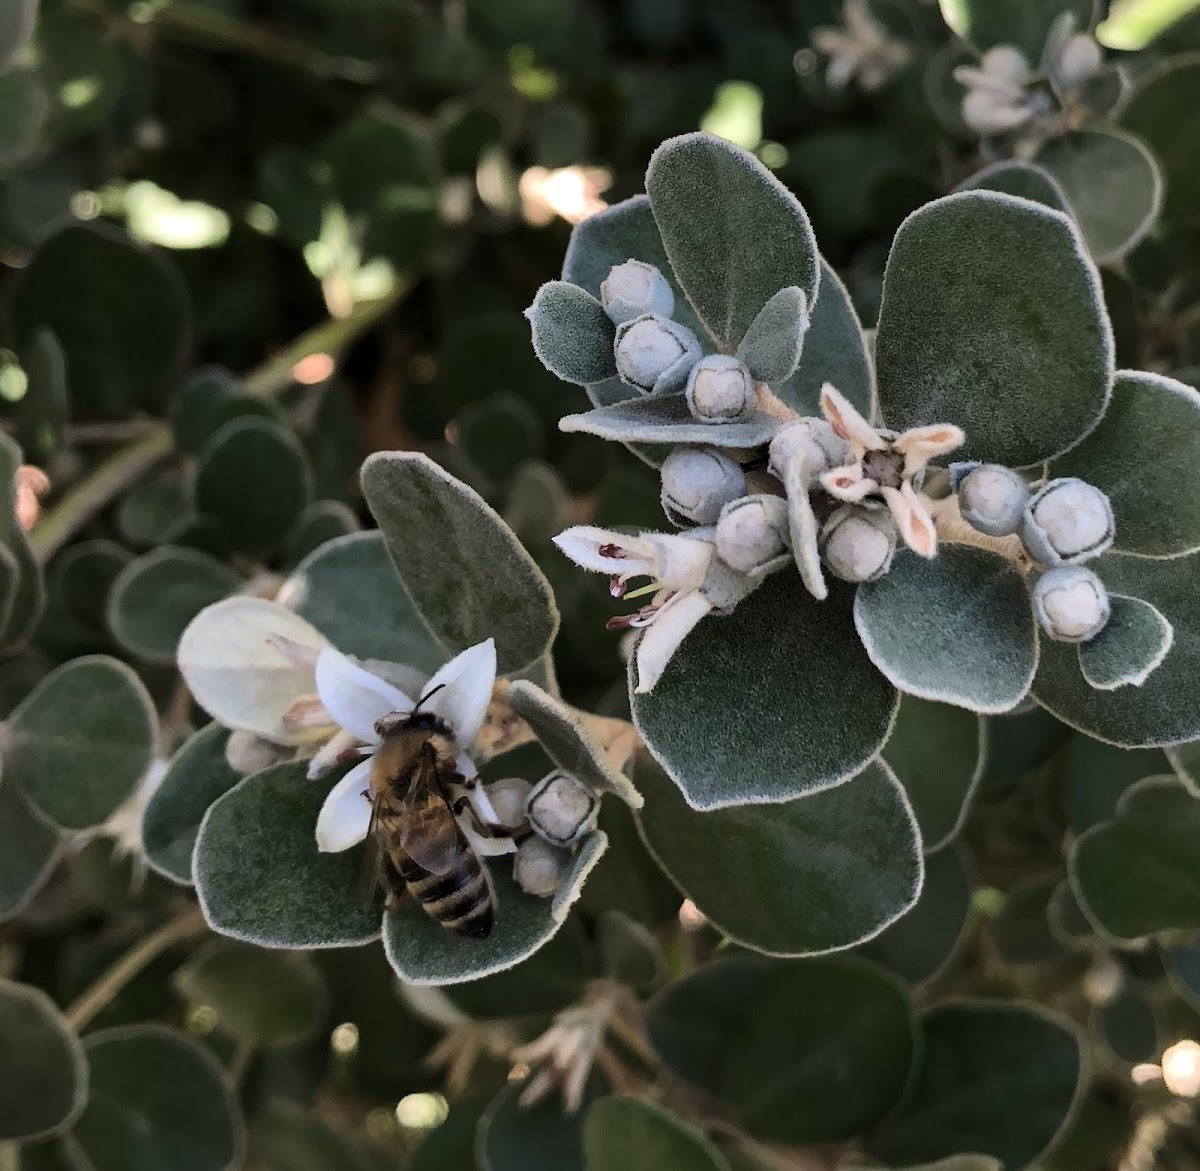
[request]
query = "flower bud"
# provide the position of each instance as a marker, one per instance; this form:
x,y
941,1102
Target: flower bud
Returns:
x,y
1071,604
812,439
720,389
991,497
1079,60
1006,63
561,808
697,482
539,867
508,797
989,113
857,544
751,532
654,353
1067,522
634,288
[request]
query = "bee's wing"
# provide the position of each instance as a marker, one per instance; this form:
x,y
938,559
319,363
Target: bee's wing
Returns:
x,y
371,870
430,833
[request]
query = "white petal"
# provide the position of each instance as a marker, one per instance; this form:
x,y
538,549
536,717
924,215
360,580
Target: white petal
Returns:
x,y
582,544
670,627
847,483
461,691
243,678
919,445
332,751
346,815
680,562
912,518
844,418
354,697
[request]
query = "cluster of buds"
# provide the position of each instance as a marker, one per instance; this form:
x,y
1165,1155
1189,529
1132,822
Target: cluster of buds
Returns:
x,y
1062,525
560,810
1006,94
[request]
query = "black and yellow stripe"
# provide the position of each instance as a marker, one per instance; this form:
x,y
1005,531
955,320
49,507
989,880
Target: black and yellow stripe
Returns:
x,y
459,900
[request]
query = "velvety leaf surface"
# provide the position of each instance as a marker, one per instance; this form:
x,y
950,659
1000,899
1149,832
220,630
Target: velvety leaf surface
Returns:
x,y
572,334
992,318
157,1100
43,1073
510,1138
1068,924
260,877
1143,456
287,1137
1131,646
919,945
1024,180
995,1078
957,629
126,324
1021,932
734,234
835,350
197,775
1162,710
321,521
350,591
774,341
464,569
785,740
269,998
938,754
424,952
1114,186
626,1134
81,740
666,419
1139,873
1128,1026
822,1053
157,595
812,875
28,849
1093,776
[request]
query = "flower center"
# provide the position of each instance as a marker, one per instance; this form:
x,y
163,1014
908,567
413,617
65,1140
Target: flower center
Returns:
x,y
886,468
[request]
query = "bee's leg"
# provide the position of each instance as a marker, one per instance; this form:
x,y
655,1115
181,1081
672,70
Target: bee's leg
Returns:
x,y
396,885
486,829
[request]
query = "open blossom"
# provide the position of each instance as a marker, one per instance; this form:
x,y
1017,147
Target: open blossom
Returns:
x,y
862,48
997,98
357,699
676,564
885,467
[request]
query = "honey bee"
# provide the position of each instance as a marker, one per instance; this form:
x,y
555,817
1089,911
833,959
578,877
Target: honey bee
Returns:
x,y
416,794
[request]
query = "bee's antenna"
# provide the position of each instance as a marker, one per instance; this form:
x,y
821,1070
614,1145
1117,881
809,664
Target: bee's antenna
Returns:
x,y
427,695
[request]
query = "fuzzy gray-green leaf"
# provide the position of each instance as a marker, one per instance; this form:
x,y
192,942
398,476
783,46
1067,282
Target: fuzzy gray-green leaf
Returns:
x,y
996,1078
1025,180
1132,645
734,234
154,598
667,419
725,729
1145,457
29,847
197,775
938,752
957,628
992,319
572,335
1139,873
43,1073
816,874
260,877
463,567
81,740
627,1134
1114,186
775,338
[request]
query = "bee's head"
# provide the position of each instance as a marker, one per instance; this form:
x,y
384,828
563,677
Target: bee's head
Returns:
x,y
414,721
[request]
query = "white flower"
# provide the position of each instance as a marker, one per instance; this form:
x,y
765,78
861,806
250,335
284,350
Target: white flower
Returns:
x,y
885,467
677,565
357,700
997,99
863,48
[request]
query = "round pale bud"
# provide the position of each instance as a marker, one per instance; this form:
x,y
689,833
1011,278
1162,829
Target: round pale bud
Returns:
x,y
697,482
812,440
1067,522
634,288
654,353
561,808
720,389
508,797
539,867
1079,60
750,532
1071,603
991,497
857,544
1006,63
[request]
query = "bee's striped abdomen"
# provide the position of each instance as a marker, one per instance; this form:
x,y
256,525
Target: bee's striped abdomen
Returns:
x,y
459,900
